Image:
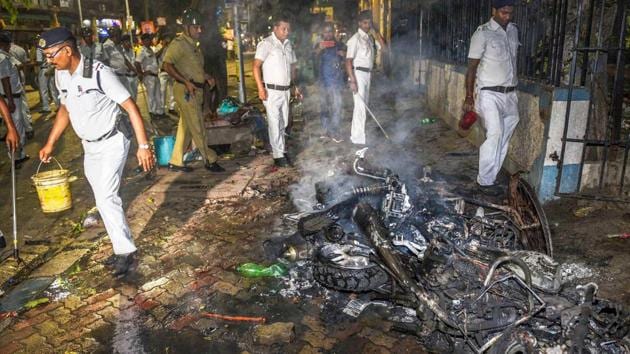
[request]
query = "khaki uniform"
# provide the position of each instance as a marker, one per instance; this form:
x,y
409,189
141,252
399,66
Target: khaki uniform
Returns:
x,y
185,55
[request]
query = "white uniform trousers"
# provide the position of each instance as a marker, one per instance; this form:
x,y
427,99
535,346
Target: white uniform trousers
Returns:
x,y
20,126
154,95
499,116
277,107
166,90
26,113
104,163
357,132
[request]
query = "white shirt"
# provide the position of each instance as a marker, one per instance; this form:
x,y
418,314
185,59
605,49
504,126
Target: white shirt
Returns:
x,y
148,60
93,108
116,55
361,49
95,50
8,69
497,50
277,58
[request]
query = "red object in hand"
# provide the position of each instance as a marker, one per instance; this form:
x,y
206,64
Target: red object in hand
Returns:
x,y
468,120
327,44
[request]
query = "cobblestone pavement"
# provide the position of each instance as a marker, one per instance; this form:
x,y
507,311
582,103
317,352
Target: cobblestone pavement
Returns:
x,y
185,295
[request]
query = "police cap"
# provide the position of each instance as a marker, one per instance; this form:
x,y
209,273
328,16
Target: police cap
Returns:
x,y
191,17
55,36
497,4
86,32
5,37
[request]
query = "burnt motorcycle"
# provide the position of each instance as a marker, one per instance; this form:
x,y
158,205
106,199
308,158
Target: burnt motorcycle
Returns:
x,y
477,276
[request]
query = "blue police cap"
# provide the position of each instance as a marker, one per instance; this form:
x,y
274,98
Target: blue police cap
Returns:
x,y
5,37
54,36
497,4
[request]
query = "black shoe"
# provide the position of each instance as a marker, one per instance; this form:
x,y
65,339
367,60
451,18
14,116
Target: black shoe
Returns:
x,y
176,168
491,191
286,157
30,134
19,162
214,167
109,261
122,264
281,162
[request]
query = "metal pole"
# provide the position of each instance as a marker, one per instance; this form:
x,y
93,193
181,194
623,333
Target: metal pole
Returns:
x,y
129,28
80,12
241,67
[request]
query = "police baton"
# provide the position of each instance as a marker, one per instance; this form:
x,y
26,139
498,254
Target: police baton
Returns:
x,y
367,108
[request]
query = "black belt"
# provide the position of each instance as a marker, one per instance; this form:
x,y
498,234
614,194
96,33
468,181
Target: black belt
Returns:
x,y
107,135
362,69
277,87
501,89
196,84
15,95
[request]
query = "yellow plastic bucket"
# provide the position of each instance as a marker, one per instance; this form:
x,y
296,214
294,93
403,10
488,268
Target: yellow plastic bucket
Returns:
x,y
53,189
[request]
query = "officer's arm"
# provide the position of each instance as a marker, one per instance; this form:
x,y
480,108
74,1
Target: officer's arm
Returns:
x,y
257,70
349,64
6,86
145,156
12,138
471,76
61,123
173,72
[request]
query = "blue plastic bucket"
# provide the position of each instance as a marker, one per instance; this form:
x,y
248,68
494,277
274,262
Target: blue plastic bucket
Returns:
x,y
163,149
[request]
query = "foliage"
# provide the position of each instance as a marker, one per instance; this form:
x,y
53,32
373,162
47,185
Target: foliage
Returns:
x,y
11,7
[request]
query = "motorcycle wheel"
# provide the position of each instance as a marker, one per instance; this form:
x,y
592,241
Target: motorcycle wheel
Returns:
x,y
329,271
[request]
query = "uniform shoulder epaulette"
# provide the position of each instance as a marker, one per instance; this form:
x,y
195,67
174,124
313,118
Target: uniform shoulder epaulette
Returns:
x,y
484,27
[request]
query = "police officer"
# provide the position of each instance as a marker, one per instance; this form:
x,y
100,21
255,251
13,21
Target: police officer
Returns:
x,y
147,67
12,138
166,81
12,91
88,48
120,59
492,76
45,82
90,102
330,55
21,61
184,63
275,72
359,64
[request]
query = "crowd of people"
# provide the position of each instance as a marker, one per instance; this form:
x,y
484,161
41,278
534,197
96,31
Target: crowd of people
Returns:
x,y
94,87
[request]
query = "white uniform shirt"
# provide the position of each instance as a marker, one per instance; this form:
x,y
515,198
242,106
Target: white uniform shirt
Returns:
x,y
148,60
361,49
497,50
116,55
8,69
93,109
277,58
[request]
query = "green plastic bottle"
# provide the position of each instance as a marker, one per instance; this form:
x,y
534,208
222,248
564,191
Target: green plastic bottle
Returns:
x,y
253,270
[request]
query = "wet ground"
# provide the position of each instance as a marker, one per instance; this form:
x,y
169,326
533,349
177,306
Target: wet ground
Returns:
x,y
193,230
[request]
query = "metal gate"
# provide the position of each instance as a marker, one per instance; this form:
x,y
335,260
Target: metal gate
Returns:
x,y
598,63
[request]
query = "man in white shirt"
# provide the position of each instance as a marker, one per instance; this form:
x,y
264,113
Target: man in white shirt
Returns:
x,y
91,102
492,76
147,66
12,91
46,83
359,64
120,59
275,72
21,61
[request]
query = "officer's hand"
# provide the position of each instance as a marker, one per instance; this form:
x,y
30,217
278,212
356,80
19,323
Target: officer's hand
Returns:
x,y
298,93
469,104
191,88
146,159
12,140
262,93
11,105
45,153
354,87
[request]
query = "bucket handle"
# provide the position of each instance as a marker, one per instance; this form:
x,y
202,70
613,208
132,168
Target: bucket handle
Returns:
x,y
40,165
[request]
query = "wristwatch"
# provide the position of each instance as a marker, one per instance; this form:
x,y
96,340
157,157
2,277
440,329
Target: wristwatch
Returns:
x,y
143,146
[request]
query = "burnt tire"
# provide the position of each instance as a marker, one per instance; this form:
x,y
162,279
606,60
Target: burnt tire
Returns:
x,y
347,268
